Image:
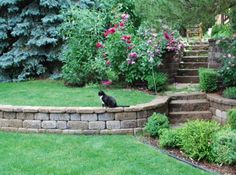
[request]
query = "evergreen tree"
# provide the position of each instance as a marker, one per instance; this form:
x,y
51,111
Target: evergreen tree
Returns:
x,y
29,37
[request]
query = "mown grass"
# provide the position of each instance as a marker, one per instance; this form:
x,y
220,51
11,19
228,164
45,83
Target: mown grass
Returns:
x,y
54,93
32,154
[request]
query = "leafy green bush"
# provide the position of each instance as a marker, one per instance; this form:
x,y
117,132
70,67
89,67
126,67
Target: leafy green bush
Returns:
x,y
232,118
169,138
227,71
233,19
208,80
224,147
157,82
82,28
156,123
221,31
196,138
230,93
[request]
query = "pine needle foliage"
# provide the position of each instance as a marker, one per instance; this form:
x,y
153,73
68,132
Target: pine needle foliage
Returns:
x,y
29,37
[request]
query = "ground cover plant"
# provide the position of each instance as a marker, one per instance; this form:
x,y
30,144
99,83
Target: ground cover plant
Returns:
x,y
54,93
62,154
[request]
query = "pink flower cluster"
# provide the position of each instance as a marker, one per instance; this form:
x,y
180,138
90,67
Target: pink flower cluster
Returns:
x,y
132,58
172,44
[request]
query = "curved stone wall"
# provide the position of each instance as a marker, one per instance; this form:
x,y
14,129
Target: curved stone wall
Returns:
x,y
219,106
80,120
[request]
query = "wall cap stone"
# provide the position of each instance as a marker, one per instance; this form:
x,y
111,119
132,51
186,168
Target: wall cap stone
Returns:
x,y
219,99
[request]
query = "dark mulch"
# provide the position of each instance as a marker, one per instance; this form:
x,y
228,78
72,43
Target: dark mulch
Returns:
x,y
225,170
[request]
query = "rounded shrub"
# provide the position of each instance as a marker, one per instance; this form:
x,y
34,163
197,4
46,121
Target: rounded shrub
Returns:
x,y
230,93
196,138
157,82
208,80
156,123
232,118
169,138
224,147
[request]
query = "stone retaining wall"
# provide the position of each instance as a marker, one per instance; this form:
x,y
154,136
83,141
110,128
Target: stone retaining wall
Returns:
x,y
219,106
80,120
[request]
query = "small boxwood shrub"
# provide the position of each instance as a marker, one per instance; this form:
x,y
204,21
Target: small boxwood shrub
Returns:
x,y
169,138
230,93
208,80
196,138
157,82
156,123
224,147
232,118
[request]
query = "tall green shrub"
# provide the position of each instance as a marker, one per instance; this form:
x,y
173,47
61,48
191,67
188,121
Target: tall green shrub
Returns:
x,y
232,118
82,28
224,147
208,80
196,138
29,37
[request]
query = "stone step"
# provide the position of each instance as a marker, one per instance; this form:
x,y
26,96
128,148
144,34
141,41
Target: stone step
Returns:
x,y
181,117
189,105
198,47
198,42
195,59
189,96
187,72
187,79
195,52
193,65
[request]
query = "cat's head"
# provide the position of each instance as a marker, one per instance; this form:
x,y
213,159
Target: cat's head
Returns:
x,y
101,93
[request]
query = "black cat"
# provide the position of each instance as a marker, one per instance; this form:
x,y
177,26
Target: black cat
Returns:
x,y
108,101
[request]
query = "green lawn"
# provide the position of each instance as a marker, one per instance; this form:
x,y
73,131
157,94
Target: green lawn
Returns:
x,y
54,93
39,154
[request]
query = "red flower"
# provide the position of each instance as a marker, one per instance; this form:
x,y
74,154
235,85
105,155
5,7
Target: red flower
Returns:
x,y
167,36
116,25
128,41
108,62
106,82
99,45
122,24
133,55
130,47
126,38
109,31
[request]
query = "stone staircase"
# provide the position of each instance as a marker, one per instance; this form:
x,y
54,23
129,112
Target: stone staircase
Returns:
x,y
184,107
195,57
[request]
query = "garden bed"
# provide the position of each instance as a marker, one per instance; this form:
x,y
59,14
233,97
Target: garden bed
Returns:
x,y
178,154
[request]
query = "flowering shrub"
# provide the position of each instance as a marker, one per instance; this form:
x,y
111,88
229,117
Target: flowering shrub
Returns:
x,y
135,55
228,69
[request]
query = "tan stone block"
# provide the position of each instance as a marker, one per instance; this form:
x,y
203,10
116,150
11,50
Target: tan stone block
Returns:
x,y
15,123
81,125
61,125
117,131
113,124
35,124
4,122
41,116
9,115
106,116
89,117
128,124
75,117
58,116
142,114
125,116
49,124
141,122
96,125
